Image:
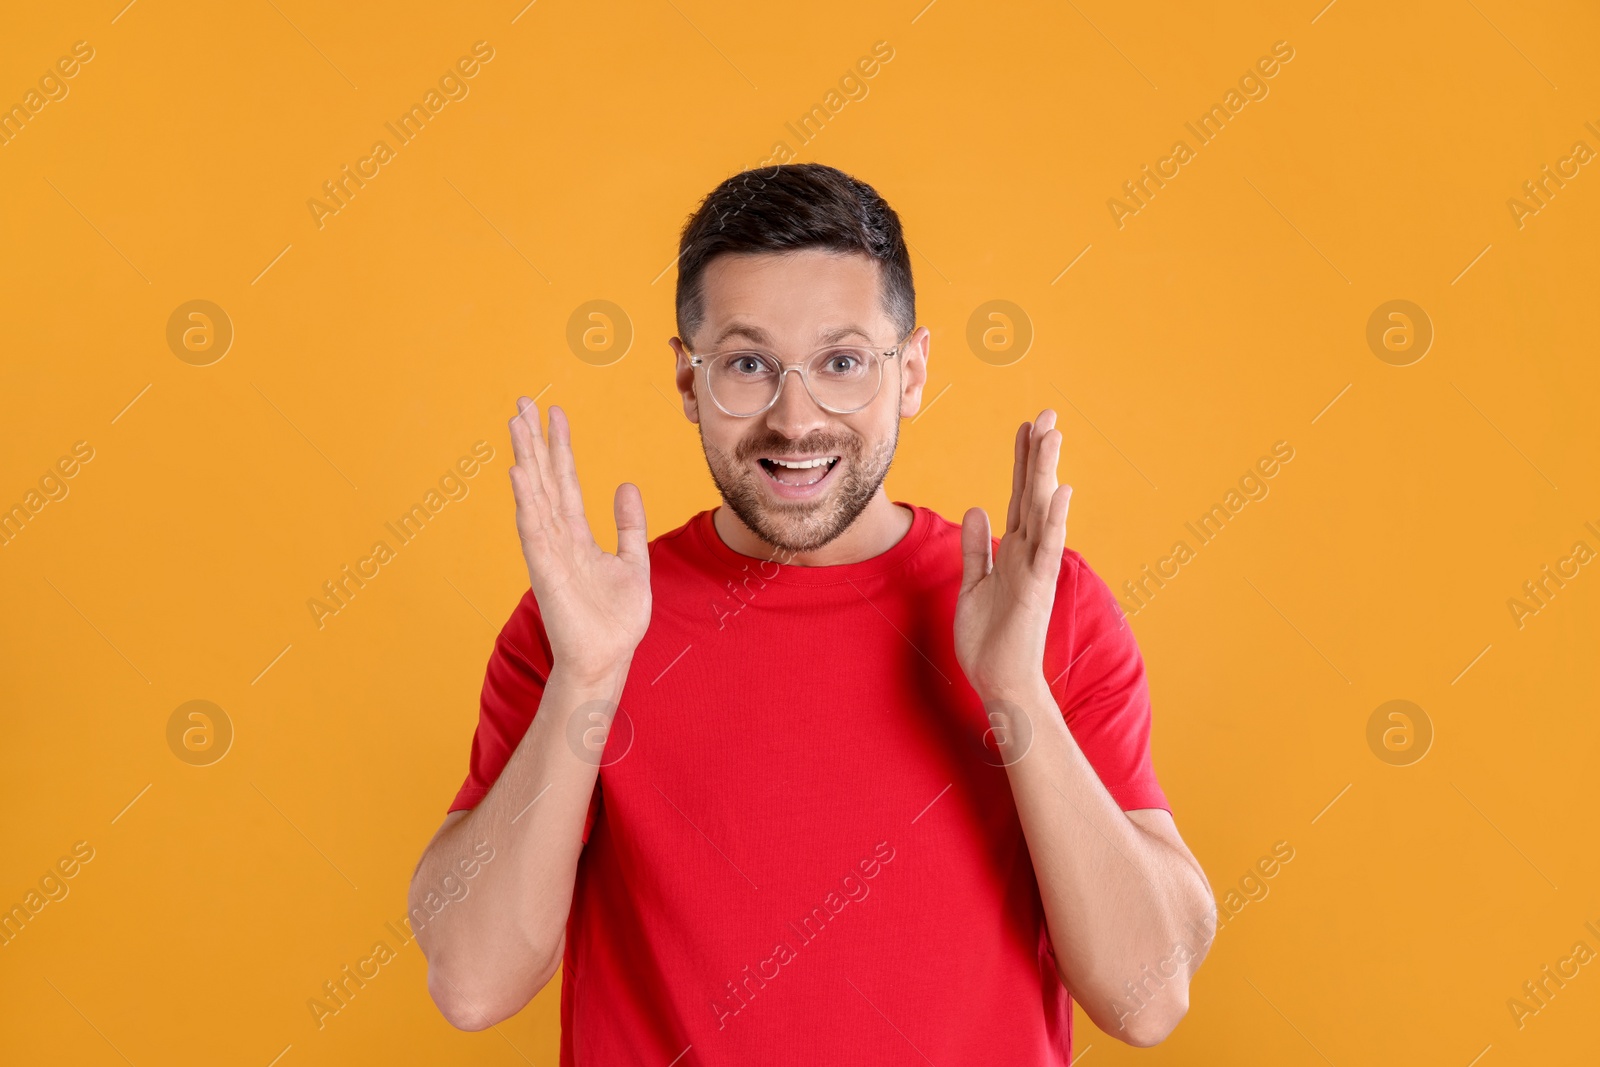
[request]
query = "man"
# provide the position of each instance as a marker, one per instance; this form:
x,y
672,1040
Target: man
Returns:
x,y
817,777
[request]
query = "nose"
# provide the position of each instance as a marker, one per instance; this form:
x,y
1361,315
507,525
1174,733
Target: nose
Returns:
x,y
795,414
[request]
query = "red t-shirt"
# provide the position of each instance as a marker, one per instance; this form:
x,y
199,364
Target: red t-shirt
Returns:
x,y
806,854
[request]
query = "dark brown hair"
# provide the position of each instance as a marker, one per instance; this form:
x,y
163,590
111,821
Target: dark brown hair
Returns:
x,y
788,207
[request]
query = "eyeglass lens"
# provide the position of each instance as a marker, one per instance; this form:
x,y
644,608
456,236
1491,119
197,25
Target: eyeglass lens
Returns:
x,y
842,379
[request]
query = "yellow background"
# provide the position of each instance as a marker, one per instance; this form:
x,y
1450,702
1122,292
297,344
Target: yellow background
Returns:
x,y
373,352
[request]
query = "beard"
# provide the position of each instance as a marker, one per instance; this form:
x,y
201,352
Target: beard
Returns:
x,y
794,526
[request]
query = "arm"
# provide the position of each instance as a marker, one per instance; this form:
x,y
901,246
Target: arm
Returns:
x,y
496,946
1121,891
1128,907
491,951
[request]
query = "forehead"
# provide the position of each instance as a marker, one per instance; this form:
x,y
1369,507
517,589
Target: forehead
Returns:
x,y
807,296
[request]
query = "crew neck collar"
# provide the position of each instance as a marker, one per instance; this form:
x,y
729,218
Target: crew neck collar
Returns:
x,y
771,570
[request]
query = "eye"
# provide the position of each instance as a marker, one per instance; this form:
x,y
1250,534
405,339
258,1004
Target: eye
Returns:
x,y
746,363
844,362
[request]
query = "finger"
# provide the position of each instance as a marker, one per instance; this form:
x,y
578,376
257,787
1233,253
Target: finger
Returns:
x,y
1047,564
1042,483
632,544
1019,476
539,449
976,547
1038,428
565,465
526,484
530,498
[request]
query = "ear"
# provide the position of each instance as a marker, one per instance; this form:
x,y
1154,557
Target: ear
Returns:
x,y
913,372
683,375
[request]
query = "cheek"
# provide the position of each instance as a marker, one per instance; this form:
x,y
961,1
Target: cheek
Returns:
x,y
884,431
871,447
721,436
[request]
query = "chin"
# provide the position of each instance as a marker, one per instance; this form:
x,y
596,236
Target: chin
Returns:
x,y
796,526
799,518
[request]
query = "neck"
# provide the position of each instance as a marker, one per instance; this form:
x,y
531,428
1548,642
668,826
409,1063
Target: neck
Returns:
x,y
881,524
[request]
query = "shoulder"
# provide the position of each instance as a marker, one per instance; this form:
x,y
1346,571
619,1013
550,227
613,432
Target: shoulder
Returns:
x,y
1077,573
1088,596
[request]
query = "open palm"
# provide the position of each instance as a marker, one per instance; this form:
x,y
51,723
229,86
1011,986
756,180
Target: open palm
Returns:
x,y
1003,609
595,605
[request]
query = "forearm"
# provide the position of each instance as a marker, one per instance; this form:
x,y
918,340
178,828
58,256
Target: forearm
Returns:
x,y
492,949
1117,898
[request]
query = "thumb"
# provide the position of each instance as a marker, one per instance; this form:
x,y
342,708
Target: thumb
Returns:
x,y
629,510
976,547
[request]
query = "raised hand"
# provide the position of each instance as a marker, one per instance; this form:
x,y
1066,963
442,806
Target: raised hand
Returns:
x,y
595,605
1003,609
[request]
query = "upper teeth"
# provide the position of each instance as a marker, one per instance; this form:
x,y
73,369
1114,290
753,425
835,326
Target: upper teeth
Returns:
x,y
802,464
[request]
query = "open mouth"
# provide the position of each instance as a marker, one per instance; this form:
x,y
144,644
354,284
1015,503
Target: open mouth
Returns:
x,y
799,473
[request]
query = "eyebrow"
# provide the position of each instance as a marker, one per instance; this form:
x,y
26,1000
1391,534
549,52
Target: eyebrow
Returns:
x,y
756,335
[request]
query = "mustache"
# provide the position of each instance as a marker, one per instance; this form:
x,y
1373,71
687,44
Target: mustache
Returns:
x,y
771,444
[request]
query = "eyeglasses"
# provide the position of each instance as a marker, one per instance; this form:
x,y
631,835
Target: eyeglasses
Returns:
x,y
842,379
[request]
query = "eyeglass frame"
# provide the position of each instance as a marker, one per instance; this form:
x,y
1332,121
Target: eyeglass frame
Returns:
x,y
797,368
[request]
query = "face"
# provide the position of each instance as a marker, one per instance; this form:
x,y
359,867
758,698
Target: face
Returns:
x,y
798,475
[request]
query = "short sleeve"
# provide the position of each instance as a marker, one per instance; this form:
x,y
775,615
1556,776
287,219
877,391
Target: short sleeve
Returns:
x,y
513,685
1097,676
